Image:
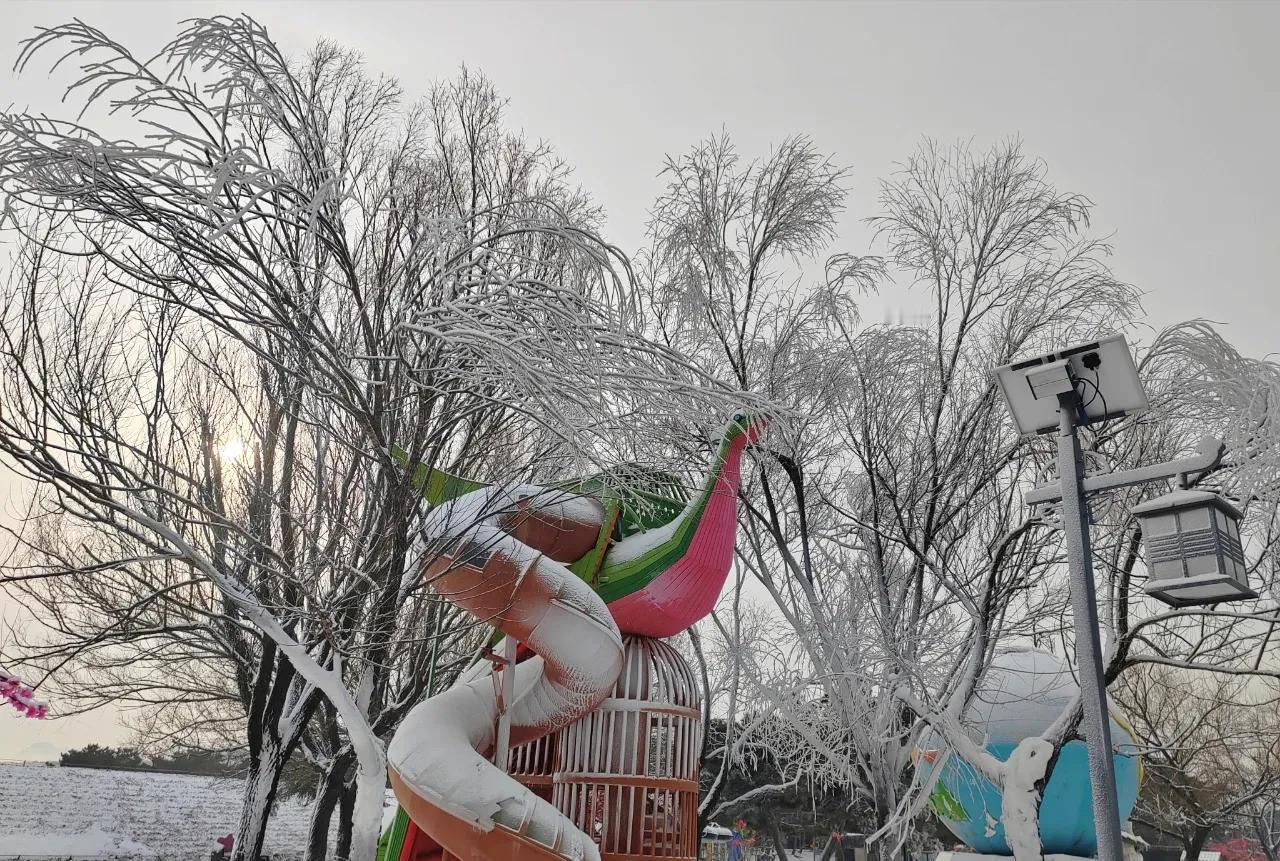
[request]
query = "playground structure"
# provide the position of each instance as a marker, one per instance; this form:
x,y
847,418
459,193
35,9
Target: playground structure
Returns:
x,y
627,772
604,739
1022,694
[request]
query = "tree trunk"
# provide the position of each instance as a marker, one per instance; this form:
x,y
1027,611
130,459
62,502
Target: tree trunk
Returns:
x,y
706,804
346,809
360,810
259,796
883,850
328,794
1265,838
279,707
370,793
775,835
1192,846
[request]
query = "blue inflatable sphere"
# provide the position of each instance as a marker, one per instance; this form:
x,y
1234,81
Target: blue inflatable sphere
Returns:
x,y
1023,693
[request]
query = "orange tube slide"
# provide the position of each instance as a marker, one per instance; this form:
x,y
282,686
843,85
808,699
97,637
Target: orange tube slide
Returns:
x,y
440,770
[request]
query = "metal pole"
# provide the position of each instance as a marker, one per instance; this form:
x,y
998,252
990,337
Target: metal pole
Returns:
x,y
506,694
1084,610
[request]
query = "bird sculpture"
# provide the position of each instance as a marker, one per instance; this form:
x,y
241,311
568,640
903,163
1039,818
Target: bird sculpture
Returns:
x,y
657,556
564,570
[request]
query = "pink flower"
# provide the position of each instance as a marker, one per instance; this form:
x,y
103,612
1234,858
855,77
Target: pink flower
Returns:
x,y
21,697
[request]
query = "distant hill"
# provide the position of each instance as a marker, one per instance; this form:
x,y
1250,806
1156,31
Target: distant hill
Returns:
x,y
41,751
49,810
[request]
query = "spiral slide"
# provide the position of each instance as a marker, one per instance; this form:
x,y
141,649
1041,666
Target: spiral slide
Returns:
x,y
504,562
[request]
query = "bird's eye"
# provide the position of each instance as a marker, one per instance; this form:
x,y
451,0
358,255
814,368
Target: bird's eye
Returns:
x,y
739,418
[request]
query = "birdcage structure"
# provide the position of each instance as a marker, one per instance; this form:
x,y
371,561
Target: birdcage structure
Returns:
x,y
534,764
627,773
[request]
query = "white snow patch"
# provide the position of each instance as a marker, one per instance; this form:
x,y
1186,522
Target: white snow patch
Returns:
x,y
635,546
389,808
1025,766
49,810
91,841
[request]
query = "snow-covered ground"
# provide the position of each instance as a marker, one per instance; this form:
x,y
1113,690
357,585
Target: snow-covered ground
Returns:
x,y
61,812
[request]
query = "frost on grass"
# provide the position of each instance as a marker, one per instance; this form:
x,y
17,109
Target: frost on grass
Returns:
x,y
88,811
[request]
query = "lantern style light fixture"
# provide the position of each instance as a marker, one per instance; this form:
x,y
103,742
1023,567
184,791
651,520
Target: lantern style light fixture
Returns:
x,y
1193,549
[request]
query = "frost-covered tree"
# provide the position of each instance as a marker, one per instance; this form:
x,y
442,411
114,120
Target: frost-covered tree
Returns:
x,y
725,280
1210,745
886,523
112,637
1007,268
1010,270
225,335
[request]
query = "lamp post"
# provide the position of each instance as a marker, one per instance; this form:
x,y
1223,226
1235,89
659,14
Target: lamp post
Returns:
x,y
1084,610
1045,394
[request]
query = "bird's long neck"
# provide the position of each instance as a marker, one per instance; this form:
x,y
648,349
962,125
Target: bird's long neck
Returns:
x,y
716,502
704,530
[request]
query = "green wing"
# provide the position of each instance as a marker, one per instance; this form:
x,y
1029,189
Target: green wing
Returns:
x,y
435,485
647,497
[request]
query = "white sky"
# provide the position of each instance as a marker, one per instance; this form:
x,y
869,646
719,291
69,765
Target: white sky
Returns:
x,y
1164,114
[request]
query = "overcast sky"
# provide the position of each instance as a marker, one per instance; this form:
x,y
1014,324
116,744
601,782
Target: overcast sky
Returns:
x,y
1166,115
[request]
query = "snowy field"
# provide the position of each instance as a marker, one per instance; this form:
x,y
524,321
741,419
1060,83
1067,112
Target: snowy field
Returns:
x,y
48,812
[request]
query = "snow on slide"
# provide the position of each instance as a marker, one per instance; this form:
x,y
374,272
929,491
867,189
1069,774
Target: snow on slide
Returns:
x,y
438,759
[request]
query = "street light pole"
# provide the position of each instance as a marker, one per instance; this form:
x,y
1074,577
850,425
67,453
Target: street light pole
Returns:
x,y
1043,392
1084,610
